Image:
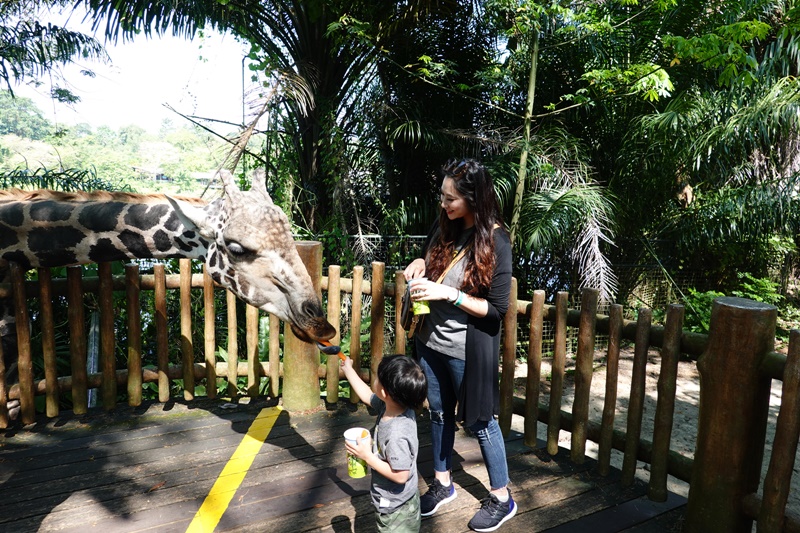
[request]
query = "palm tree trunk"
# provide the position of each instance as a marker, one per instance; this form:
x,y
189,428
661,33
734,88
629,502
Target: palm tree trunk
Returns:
x,y
523,158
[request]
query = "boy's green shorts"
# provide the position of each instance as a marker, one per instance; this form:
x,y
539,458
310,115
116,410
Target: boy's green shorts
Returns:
x,y
405,519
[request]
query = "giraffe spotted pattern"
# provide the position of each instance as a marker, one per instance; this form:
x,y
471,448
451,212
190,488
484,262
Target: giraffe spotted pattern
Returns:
x,y
244,238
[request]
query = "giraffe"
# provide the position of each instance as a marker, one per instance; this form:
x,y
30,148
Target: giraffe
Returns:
x,y
243,237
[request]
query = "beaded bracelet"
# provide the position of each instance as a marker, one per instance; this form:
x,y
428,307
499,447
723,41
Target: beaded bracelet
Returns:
x,y
460,299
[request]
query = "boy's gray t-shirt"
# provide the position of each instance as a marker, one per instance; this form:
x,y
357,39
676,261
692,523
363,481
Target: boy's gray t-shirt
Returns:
x,y
394,441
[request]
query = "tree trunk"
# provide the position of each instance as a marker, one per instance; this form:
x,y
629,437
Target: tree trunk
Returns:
x,y
523,158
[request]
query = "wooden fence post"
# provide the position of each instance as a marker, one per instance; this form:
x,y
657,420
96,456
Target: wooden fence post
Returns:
x,y
301,360
210,334
335,319
187,344
732,422
508,357
108,341
77,340
377,316
584,363
24,360
48,341
355,325
557,371
533,380
134,309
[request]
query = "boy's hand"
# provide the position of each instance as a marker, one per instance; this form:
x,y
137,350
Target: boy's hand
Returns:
x,y
362,450
347,363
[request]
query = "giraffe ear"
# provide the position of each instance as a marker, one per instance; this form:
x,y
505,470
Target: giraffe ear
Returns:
x,y
192,217
259,183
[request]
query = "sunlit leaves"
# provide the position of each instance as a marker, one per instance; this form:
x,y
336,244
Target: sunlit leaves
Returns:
x,y
648,80
728,48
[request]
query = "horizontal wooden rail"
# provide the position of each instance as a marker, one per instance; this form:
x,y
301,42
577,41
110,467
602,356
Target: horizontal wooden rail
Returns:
x,y
678,465
151,375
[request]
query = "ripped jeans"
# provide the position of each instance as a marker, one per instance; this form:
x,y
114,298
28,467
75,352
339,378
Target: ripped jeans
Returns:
x,y
444,374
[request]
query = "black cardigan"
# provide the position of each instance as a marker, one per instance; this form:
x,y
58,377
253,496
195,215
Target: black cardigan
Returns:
x,y
479,397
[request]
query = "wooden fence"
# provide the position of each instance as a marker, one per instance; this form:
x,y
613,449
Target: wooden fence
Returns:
x,y
736,364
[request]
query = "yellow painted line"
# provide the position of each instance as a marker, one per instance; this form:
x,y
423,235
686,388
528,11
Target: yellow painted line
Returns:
x,y
221,494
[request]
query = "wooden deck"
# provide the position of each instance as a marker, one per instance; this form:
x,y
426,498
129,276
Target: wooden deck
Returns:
x,y
151,469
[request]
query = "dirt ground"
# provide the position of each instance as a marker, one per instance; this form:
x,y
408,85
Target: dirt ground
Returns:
x,y
684,430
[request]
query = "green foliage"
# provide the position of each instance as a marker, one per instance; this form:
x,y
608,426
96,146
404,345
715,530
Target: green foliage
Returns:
x,y
758,289
699,304
726,49
698,310
21,117
59,180
30,49
649,81
179,162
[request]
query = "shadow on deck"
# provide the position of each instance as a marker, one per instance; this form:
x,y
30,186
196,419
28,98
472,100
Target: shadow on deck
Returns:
x,y
151,468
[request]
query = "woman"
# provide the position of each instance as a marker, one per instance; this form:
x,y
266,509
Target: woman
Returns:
x,y
458,343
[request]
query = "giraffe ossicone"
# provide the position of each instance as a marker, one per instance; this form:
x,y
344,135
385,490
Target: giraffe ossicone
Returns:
x,y
243,237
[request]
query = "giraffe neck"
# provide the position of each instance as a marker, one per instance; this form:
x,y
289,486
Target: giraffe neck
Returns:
x,y
46,228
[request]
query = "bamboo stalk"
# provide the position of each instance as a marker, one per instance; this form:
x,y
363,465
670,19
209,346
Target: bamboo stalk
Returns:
x,y
77,340
508,359
48,341
636,399
535,335
610,401
665,408
583,374
557,371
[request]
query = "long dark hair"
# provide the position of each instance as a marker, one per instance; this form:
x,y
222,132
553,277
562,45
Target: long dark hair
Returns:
x,y
474,183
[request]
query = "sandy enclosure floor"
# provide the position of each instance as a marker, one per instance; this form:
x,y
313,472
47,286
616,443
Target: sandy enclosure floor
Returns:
x,y
684,430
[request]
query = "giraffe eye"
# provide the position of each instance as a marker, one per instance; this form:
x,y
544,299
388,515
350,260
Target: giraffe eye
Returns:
x,y
237,250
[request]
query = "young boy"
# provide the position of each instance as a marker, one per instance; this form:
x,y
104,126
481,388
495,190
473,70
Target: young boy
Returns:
x,y
399,390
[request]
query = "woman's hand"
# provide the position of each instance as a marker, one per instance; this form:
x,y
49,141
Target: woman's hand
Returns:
x,y
425,289
415,270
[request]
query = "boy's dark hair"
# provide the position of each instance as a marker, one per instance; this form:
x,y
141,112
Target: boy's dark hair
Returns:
x,y
403,380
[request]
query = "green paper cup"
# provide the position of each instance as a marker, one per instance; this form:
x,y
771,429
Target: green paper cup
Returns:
x,y
420,307
356,467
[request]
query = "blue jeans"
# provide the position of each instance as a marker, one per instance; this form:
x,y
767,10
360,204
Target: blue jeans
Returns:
x,y
444,374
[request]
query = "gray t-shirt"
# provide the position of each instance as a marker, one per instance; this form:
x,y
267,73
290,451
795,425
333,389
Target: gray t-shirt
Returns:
x,y
444,329
395,441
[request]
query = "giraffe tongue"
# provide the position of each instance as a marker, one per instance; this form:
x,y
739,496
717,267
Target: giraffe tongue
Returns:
x,y
330,349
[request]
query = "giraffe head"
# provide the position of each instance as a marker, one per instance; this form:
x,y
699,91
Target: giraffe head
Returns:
x,y
252,252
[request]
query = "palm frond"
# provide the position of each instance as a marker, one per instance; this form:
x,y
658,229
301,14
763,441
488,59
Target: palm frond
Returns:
x,y
577,217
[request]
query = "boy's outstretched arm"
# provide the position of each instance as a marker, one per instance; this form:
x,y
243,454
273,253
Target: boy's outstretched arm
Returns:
x,y
356,383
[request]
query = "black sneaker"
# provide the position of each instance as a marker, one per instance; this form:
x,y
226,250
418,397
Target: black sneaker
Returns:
x,y
493,513
436,496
